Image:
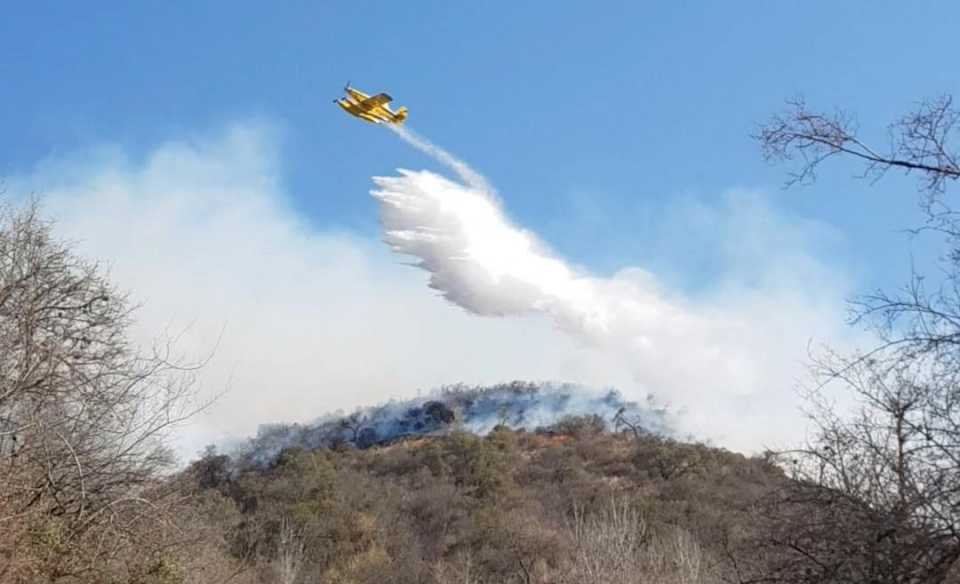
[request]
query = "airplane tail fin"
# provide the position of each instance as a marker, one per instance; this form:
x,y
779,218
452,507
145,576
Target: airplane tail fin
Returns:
x,y
401,114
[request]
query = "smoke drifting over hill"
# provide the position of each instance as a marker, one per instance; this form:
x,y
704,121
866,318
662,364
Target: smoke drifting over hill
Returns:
x,y
518,405
696,354
308,318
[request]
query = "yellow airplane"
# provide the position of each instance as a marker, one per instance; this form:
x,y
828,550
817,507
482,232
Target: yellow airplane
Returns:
x,y
371,109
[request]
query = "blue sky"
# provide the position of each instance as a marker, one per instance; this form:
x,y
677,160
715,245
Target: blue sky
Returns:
x,y
617,106
613,130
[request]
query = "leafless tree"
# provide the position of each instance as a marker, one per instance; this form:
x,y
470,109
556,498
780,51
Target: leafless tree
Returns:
x,y
618,546
922,318
290,551
875,495
87,409
877,492
920,142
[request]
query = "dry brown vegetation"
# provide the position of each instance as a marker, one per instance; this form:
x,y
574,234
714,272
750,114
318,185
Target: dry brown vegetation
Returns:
x,y
513,506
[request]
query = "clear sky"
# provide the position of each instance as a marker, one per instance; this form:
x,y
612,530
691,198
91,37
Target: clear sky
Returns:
x,y
604,126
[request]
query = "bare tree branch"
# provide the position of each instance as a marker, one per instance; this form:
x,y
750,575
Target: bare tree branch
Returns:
x,y
920,143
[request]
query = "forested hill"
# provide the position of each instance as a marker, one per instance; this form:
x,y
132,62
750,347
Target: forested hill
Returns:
x,y
571,502
584,499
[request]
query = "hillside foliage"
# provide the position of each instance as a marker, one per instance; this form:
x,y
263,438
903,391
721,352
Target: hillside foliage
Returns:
x,y
570,503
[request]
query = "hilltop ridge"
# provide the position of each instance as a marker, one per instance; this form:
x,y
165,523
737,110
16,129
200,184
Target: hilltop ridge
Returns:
x,y
513,505
477,409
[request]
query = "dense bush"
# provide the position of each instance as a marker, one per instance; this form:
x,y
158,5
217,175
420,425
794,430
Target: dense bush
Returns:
x,y
511,506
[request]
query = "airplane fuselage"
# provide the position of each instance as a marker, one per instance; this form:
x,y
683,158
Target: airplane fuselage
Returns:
x,y
371,109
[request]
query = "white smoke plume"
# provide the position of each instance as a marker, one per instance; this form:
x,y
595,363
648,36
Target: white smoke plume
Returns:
x,y
701,357
308,319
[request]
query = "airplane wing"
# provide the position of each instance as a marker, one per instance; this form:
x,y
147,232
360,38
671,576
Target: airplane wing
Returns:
x,y
377,101
356,93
